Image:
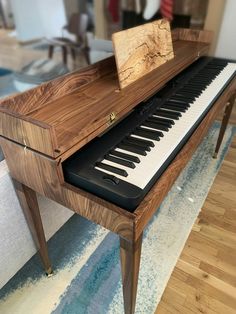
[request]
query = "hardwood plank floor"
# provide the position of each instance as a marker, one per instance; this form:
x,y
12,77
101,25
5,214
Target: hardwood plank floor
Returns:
x,y
204,279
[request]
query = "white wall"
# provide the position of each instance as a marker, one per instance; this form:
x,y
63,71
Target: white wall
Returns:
x,y
226,45
38,18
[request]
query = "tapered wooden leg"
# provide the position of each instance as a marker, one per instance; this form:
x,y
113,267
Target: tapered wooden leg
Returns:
x,y
28,200
130,260
224,124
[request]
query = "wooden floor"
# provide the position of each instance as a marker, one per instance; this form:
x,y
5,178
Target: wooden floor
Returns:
x,y
204,279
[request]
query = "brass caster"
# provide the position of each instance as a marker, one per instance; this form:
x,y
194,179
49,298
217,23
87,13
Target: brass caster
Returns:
x,y
49,272
215,155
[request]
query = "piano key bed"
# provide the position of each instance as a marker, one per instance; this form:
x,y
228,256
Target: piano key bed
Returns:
x,y
123,164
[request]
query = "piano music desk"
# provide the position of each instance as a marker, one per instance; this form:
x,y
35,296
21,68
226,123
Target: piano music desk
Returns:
x,y
44,126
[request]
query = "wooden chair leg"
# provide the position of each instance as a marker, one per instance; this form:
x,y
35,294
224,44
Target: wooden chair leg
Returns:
x,y
64,54
130,254
73,54
28,200
224,124
50,51
86,54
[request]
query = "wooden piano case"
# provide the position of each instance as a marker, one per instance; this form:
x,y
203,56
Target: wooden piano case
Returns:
x,y
44,126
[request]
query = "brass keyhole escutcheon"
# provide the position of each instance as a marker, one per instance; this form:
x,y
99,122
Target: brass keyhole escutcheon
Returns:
x,y
112,118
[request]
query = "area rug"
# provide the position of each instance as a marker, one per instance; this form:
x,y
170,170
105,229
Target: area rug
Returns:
x,y
87,275
6,82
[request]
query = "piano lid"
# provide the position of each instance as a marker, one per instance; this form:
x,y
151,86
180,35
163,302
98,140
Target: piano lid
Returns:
x,y
59,117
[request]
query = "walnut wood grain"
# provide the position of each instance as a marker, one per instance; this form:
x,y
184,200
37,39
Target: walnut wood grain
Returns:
x,y
202,36
141,49
130,253
43,175
151,202
28,201
225,121
76,108
37,135
39,96
128,226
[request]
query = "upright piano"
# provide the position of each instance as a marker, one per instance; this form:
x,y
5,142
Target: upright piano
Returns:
x,y
86,144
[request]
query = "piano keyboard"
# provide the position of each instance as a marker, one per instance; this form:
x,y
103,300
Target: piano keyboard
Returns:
x,y
124,163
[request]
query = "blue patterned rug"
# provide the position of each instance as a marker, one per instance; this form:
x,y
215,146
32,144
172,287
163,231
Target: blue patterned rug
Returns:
x,y
85,256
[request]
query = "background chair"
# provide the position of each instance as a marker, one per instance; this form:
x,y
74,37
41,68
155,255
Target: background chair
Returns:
x,y
73,38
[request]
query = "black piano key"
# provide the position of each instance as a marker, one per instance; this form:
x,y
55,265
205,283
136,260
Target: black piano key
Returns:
x,y
183,104
112,169
183,93
199,85
120,161
200,78
132,149
135,144
173,107
167,122
168,114
195,90
199,82
182,98
151,134
156,125
125,156
158,133
209,69
142,141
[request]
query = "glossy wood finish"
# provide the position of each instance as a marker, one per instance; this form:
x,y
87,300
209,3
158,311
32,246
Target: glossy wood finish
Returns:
x,y
73,124
141,49
70,111
130,253
203,36
225,121
44,175
28,201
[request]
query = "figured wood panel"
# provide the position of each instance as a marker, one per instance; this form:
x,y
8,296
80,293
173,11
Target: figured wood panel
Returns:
x,y
45,93
77,108
79,117
141,49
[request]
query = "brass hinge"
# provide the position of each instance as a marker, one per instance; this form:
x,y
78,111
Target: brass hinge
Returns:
x,y
111,118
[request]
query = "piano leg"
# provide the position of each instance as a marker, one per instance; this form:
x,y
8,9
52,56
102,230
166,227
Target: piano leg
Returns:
x,y
29,204
130,253
224,124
